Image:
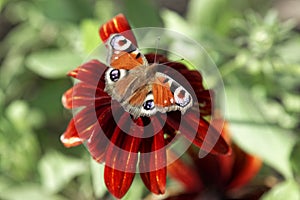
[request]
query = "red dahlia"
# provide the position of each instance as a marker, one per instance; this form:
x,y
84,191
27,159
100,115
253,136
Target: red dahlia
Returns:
x,y
121,142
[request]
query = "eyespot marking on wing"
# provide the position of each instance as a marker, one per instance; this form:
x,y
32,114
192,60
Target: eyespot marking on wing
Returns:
x,y
120,43
148,107
113,75
182,97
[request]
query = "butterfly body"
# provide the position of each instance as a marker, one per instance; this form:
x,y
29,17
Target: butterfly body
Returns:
x,y
139,86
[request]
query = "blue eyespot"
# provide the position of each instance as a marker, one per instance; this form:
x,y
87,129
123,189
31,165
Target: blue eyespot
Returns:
x,y
114,75
149,105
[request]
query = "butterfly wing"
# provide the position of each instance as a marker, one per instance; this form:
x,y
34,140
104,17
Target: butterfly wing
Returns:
x,y
129,81
169,95
163,94
123,54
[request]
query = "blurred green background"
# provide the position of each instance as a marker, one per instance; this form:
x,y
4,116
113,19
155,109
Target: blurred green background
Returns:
x,y
255,44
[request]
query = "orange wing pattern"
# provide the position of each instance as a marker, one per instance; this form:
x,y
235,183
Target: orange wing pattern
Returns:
x,y
125,60
168,95
139,97
162,93
123,54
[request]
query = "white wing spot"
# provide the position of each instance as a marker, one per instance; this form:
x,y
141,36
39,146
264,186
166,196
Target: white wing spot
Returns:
x,y
182,97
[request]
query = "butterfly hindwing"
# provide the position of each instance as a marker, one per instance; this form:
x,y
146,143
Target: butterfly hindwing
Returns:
x,y
162,94
169,95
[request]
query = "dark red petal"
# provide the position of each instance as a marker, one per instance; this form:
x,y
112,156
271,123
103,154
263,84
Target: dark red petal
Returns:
x,y
121,162
214,138
188,128
245,168
85,120
117,182
83,94
170,133
101,135
70,137
173,120
205,100
153,162
91,73
67,98
118,24
184,173
214,170
193,76
158,58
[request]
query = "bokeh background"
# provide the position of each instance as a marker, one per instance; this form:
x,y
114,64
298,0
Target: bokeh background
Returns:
x,y
254,43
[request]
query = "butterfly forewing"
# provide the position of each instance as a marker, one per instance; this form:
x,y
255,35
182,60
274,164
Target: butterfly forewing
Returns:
x,y
123,54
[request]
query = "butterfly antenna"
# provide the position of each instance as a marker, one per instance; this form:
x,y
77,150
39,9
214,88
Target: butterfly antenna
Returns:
x,y
156,48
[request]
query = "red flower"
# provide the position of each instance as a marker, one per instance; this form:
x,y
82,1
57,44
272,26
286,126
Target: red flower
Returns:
x,y
216,176
114,137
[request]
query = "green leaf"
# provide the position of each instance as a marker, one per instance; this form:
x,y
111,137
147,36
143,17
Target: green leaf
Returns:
x,y
2,99
28,191
57,170
53,63
174,21
67,10
286,190
19,163
48,99
212,14
97,173
288,50
104,13
136,189
253,133
90,37
23,117
2,3
142,13
295,159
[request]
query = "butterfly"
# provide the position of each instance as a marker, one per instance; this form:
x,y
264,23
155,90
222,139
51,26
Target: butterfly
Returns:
x,y
138,86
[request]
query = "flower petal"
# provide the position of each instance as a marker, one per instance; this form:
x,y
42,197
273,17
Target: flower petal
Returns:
x,y
67,99
100,136
83,94
245,167
153,162
85,120
117,182
121,158
205,100
184,173
214,170
157,58
118,24
190,124
70,137
91,73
